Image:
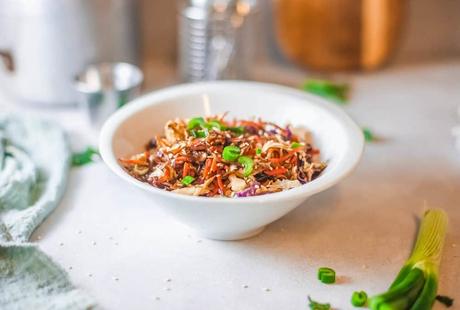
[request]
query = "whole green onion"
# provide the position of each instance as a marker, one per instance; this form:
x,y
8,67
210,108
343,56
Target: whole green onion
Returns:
x,y
195,122
187,180
248,165
231,153
416,284
326,275
359,299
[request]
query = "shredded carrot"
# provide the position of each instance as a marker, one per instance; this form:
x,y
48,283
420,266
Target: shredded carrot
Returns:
x,y
280,159
285,157
181,159
214,164
252,124
186,169
220,183
214,191
166,175
277,171
207,167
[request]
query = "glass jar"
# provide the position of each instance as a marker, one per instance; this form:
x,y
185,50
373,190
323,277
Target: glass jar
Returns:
x,y
338,34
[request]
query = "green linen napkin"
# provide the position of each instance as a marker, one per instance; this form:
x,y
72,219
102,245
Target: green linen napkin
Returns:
x,y
34,163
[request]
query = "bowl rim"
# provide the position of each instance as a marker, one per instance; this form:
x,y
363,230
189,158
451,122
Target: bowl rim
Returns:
x,y
351,158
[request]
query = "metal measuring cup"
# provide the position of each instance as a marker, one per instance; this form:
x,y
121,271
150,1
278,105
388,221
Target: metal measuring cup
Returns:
x,y
105,87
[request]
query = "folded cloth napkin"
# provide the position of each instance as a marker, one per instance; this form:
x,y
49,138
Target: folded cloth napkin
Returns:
x,y
34,163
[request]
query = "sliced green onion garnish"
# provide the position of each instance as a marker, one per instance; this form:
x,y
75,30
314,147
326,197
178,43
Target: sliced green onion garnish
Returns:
x,y
195,122
187,180
85,157
258,151
314,305
295,145
238,130
359,299
248,165
231,153
326,275
214,124
199,133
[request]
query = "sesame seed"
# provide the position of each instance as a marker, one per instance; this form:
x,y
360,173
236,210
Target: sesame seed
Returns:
x,y
267,289
115,278
70,267
245,286
39,237
94,242
168,280
90,275
61,244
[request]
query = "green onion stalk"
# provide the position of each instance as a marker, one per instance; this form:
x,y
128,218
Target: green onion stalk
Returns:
x,y
416,284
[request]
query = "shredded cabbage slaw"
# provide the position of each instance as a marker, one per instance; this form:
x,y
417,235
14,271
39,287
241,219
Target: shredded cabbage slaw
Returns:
x,y
212,157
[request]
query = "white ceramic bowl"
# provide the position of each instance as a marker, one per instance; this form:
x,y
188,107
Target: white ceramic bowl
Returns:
x,y
335,134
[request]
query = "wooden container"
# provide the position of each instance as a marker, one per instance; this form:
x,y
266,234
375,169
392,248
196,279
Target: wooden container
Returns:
x,y
338,34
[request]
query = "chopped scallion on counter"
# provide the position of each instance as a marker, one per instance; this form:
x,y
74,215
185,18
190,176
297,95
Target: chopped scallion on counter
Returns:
x,y
327,89
314,305
85,157
368,135
359,299
326,275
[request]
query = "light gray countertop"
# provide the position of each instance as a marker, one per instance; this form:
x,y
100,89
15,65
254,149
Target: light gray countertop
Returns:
x,y
363,228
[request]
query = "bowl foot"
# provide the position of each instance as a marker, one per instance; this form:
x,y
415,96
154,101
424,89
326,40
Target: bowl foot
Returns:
x,y
233,236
